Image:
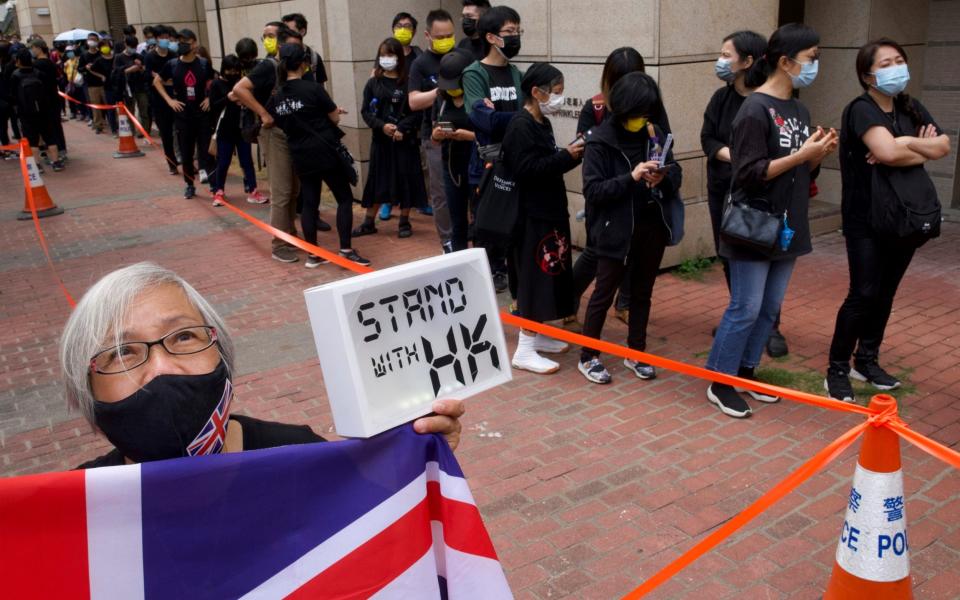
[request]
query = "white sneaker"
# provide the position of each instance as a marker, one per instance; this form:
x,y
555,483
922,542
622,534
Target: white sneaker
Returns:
x,y
549,345
527,359
203,176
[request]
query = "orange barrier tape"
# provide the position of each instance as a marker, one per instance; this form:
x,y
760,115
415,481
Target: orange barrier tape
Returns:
x,y
931,447
96,106
787,485
680,367
36,223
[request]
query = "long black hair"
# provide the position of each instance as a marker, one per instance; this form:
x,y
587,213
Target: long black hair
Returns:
x,y
749,43
789,40
620,62
392,46
865,58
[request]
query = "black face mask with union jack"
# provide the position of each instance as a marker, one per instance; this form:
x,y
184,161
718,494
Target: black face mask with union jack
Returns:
x,y
170,417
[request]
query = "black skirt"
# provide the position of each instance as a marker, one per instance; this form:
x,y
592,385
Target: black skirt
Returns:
x,y
545,270
396,174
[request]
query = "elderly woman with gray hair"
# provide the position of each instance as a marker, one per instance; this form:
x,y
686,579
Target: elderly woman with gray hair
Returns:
x,y
149,362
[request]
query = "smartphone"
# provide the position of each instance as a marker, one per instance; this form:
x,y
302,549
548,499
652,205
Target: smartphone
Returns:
x,y
446,126
578,142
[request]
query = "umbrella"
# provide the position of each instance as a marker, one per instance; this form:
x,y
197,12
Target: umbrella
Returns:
x,y
74,35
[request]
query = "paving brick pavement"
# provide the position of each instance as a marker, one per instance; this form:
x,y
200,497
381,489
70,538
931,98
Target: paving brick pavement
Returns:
x,y
586,489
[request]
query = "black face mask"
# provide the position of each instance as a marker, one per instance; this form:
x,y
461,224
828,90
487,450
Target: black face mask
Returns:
x,y
511,45
170,417
469,26
184,49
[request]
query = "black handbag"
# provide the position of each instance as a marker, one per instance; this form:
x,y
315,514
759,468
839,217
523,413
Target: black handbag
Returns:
x,y
750,223
498,208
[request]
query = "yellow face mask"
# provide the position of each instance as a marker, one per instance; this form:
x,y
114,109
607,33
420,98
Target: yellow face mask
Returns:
x,y
270,45
455,93
403,35
105,50
442,46
635,124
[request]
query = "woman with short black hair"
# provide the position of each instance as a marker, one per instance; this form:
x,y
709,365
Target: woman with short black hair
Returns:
x,y
883,129
774,152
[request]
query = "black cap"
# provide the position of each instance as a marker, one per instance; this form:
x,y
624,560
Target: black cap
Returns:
x,y
186,33
451,68
292,53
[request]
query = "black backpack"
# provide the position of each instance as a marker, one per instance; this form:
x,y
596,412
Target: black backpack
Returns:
x,y
30,95
904,206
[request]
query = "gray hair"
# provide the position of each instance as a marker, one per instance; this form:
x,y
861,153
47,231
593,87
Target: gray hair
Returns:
x,y
101,313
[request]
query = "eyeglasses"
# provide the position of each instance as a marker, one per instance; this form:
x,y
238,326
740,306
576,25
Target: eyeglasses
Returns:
x,y
131,355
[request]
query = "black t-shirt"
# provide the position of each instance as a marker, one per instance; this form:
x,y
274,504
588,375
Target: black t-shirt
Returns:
x,y
136,81
264,79
257,435
503,91
860,116
423,77
86,60
48,75
456,154
474,46
765,129
316,72
155,63
190,82
103,66
717,132
228,125
301,109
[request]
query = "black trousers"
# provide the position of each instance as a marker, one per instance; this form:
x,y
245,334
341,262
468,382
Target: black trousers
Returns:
x,y
715,200
310,186
876,269
586,267
8,115
643,263
192,130
163,115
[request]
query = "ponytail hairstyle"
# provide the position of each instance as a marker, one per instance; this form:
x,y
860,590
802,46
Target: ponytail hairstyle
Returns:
x,y
291,58
865,57
391,46
749,43
789,40
620,62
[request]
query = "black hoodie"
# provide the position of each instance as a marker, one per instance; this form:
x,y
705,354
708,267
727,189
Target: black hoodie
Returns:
x,y
611,193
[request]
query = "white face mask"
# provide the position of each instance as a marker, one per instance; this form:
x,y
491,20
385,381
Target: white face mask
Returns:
x,y
388,63
553,105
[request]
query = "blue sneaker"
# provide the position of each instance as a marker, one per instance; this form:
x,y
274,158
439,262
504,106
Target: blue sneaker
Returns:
x,y
426,210
385,212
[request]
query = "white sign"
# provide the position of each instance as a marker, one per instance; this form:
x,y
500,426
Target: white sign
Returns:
x,y
393,341
873,542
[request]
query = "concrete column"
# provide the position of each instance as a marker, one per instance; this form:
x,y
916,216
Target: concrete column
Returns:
x,y
941,92
180,14
73,14
30,21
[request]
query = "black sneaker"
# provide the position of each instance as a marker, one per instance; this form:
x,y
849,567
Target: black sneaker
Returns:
x,y
500,281
365,228
747,373
404,230
313,261
777,344
837,385
873,374
173,170
322,225
57,165
353,256
640,369
189,192
728,400
284,254
594,371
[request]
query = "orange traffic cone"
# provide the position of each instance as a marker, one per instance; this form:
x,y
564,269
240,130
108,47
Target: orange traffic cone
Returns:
x,y
873,557
41,197
128,144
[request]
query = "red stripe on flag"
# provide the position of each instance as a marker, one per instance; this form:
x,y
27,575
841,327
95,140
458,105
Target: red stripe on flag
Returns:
x,y
463,527
43,536
372,566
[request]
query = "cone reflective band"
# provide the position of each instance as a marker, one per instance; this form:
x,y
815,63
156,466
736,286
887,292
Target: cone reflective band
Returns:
x,y
873,552
41,198
128,144
392,342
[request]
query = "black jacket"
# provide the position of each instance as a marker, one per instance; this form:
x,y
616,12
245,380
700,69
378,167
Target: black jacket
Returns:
x,y
531,153
609,189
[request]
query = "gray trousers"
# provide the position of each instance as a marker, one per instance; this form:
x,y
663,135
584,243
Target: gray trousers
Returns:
x,y
435,188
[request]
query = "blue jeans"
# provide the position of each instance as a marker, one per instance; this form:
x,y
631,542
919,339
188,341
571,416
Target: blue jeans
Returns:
x,y
225,149
756,292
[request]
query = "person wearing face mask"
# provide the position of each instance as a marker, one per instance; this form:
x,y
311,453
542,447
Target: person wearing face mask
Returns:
x,y
774,150
189,76
132,82
542,248
395,173
470,24
30,95
94,80
226,117
149,40
422,94
316,71
883,129
738,53
155,62
492,94
634,212
71,63
53,126
404,27
150,364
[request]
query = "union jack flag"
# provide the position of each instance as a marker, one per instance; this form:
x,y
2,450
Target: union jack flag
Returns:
x,y
212,437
